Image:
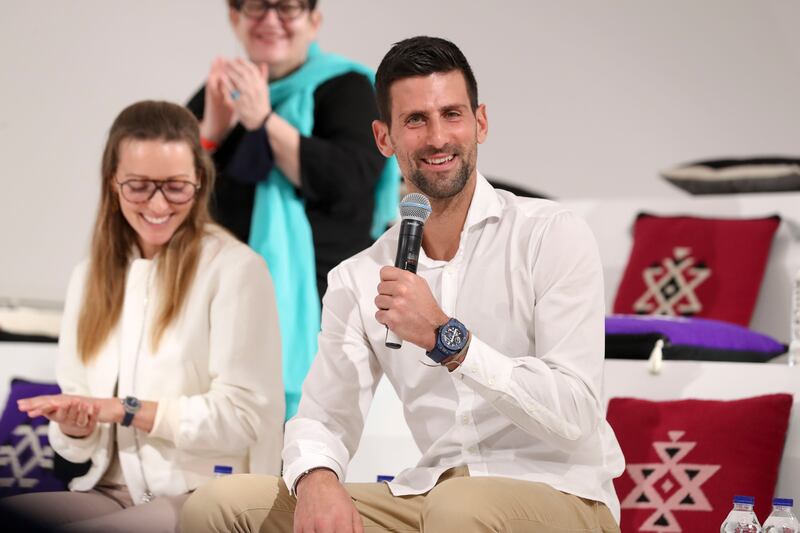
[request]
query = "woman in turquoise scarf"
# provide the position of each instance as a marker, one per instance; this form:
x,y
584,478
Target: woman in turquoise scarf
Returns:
x,y
300,177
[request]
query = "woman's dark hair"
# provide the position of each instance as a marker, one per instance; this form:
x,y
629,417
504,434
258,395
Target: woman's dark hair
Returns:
x,y
420,56
237,4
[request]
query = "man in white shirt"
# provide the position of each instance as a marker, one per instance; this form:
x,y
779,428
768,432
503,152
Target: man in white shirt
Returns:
x,y
501,369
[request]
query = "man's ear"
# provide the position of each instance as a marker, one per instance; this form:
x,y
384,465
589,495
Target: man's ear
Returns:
x,y
483,123
381,132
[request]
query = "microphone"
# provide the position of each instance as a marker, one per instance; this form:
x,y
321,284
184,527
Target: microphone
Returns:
x,y
415,209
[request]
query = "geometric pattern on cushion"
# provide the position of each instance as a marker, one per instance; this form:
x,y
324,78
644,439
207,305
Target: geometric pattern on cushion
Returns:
x,y
635,336
26,458
693,266
686,459
725,176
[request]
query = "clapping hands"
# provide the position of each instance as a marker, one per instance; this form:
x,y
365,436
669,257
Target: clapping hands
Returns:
x,y
236,91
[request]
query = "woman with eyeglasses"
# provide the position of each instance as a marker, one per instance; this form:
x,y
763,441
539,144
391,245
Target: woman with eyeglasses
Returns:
x,y
300,179
169,354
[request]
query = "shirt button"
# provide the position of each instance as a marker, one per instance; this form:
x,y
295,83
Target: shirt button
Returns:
x,y
473,450
465,419
491,382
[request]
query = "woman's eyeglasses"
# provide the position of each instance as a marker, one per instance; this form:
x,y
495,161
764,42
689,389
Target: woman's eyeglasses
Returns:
x,y
287,10
139,191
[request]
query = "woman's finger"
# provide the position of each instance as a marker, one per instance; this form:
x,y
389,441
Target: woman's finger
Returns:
x,y
237,80
33,402
249,70
82,418
58,414
72,413
227,89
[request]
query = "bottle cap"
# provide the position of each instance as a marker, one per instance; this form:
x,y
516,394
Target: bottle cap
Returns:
x,y
783,502
744,499
223,469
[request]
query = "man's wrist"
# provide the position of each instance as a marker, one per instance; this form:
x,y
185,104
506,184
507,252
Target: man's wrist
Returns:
x,y
456,360
312,473
435,332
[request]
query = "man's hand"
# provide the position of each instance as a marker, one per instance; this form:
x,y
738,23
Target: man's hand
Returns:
x,y
323,506
407,307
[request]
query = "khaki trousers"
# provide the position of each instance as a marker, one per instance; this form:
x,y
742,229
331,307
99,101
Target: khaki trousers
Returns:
x,y
458,503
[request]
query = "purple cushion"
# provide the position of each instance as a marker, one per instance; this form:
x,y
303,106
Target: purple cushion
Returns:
x,y
633,336
26,458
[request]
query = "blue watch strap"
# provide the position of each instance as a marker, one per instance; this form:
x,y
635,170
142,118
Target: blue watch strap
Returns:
x,y
131,406
441,351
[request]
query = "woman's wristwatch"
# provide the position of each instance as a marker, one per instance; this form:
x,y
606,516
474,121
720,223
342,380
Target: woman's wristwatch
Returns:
x,y
131,406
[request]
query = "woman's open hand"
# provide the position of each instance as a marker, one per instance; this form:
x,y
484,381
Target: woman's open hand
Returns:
x,y
77,416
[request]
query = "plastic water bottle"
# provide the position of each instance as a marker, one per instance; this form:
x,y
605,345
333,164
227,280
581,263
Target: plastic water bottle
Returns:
x,y
782,519
222,470
741,519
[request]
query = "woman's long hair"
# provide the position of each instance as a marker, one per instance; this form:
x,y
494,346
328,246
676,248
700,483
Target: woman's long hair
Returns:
x,y
114,239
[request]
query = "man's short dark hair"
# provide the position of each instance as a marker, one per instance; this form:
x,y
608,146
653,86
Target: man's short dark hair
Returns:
x,y
420,56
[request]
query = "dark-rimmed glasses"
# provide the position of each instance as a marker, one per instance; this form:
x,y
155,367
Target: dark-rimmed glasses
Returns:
x,y
139,191
287,10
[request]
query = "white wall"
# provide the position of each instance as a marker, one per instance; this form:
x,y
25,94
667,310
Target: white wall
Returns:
x,y
585,98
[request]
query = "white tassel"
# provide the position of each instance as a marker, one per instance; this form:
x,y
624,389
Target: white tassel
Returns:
x,y
656,357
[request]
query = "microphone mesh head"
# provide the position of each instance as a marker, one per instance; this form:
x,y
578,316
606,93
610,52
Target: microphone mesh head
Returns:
x,y
415,206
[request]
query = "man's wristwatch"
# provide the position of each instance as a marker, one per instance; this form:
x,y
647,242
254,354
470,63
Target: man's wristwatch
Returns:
x,y
450,339
131,405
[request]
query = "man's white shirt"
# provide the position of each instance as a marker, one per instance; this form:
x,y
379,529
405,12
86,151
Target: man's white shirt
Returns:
x,y
527,402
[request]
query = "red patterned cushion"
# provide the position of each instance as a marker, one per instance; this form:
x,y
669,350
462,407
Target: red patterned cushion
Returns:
x,y
686,459
690,266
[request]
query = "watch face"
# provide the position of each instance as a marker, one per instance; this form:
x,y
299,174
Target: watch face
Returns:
x,y
452,337
131,402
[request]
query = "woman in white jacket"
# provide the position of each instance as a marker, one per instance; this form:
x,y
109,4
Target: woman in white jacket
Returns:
x,y
169,355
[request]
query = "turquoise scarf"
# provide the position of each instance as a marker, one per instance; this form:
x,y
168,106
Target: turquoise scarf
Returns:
x,y
280,230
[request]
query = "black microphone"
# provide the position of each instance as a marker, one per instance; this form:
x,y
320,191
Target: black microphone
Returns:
x,y
415,209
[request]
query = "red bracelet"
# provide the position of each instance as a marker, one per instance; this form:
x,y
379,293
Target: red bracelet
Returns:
x,y
208,145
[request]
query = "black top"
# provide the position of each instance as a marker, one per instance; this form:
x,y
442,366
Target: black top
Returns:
x,y
339,170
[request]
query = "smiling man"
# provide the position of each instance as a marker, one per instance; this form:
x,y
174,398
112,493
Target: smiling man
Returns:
x,y
501,371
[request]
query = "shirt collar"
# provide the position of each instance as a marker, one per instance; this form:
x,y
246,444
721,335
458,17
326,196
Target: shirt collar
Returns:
x,y
484,205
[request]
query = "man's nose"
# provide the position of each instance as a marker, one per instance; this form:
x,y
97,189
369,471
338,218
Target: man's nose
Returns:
x,y
437,135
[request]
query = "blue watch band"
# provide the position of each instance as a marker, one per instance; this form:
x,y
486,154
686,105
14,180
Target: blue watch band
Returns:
x,y
451,338
131,406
